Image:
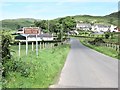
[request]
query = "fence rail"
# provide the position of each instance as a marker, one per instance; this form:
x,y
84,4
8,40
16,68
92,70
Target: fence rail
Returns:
x,y
112,45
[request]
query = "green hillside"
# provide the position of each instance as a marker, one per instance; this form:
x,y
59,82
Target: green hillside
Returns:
x,y
14,24
108,19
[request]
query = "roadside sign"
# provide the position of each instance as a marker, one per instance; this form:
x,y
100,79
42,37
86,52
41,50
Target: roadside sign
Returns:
x,y
31,30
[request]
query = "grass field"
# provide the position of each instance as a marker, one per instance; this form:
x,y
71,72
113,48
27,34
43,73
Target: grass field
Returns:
x,y
44,69
105,50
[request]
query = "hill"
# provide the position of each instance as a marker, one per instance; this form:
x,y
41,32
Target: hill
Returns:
x,y
114,15
14,24
107,19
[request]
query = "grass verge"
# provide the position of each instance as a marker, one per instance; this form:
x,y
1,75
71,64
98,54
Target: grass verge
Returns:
x,y
43,69
102,49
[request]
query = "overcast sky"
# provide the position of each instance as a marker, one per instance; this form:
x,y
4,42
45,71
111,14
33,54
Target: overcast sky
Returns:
x,y
53,9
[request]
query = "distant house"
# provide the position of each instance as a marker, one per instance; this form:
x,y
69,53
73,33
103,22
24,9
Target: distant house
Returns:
x,y
83,26
114,28
100,28
104,28
74,32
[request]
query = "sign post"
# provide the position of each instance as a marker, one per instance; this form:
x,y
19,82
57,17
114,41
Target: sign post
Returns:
x,y
26,46
36,46
31,31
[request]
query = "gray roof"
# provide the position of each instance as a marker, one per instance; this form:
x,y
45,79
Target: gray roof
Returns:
x,y
84,24
102,26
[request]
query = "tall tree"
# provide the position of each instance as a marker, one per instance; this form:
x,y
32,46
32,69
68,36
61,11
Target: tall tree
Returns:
x,y
42,24
68,23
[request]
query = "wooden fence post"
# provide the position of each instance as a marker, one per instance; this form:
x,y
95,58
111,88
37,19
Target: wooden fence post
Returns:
x,y
32,46
19,48
45,44
40,45
115,47
118,48
51,44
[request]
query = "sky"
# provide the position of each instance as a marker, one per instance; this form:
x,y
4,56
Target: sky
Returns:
x,y
54,9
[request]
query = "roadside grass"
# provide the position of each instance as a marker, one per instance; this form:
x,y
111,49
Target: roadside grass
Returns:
x,y
102,49
44,69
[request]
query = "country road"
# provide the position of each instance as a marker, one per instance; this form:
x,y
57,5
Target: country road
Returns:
x,y
87,68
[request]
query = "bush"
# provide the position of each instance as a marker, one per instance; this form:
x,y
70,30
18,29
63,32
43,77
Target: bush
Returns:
x,y
16,66
6,56
96,41
107,35
56,44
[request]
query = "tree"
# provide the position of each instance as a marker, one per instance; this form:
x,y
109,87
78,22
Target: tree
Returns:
x,y
6,40
68,23
18,26
42,24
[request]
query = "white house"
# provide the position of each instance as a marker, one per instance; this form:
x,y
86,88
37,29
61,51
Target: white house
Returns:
x,y
100,28
96,27
74,32
83,26
113,28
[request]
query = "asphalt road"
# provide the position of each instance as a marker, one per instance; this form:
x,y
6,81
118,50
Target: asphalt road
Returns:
x,y
87,68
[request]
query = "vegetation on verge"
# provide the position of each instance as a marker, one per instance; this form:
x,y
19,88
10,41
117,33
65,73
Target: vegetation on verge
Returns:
x,y
105,50
36,72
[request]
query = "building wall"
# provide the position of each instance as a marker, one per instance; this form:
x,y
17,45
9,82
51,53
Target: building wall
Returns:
x,y
40,39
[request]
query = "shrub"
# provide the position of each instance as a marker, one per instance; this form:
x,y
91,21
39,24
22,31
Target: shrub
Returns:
x,y
96,41
55,44
17,66
6,56
107,35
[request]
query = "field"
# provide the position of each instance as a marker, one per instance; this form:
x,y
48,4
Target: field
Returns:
x,y
43,70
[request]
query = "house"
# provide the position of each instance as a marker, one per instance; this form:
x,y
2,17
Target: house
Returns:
x,y
83,26
74,32
33,34
41,37
114,28
100,28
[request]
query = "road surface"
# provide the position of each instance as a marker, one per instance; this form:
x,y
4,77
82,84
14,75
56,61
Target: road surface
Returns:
x,y
87,68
